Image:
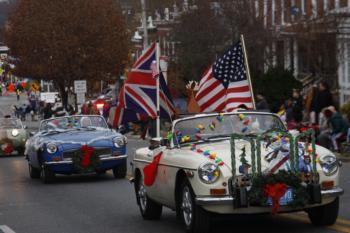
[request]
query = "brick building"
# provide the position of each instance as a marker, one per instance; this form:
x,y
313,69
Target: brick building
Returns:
x,y
312,37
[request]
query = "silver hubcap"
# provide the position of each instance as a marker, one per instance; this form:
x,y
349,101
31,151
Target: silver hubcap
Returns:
x,y
142,196
187,206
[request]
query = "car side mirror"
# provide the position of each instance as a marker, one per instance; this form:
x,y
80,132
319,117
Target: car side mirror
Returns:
x,y
158,142
121,129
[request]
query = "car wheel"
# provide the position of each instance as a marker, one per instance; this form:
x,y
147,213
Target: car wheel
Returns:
x,y
47,175
20,151
196,219
324,215
120,171
34,173
149,209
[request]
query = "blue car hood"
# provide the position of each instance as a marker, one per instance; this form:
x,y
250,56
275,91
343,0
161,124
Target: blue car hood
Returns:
x,y
74,139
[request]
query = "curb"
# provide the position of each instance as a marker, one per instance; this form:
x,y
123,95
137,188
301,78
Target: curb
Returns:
x,y
342,158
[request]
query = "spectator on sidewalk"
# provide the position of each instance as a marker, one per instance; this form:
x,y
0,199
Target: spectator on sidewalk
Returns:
x,y
106,109
84,109
18,93
337,129
47,111
297,106
324,98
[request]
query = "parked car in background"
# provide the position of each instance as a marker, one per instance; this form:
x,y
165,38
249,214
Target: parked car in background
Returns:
x,y
75,145
235,163
13,136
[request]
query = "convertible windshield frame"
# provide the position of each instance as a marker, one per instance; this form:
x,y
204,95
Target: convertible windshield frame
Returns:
x,y
17,121
101,120
217,136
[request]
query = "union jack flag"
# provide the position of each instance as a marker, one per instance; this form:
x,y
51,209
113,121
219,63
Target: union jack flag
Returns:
x,y
139,91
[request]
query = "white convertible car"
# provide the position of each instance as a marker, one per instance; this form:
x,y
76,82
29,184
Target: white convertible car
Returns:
x,y
236,163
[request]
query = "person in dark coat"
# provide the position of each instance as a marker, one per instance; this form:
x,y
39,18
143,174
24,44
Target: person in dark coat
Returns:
x,y
261,103
47,111
297,106
324,98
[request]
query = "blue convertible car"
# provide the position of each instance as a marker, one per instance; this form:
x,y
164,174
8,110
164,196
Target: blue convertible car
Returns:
x,y
75,145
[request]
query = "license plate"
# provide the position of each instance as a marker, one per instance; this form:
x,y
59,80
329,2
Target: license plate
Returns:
x,y
285,200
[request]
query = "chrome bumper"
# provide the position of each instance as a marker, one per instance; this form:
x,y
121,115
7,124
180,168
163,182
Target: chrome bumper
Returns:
x,y
103,159
228,200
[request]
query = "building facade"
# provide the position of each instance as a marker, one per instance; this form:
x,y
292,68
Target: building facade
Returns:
x,y
312,38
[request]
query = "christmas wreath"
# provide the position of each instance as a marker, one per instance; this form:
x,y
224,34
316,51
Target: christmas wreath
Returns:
x,y
274,186
86,160
6,147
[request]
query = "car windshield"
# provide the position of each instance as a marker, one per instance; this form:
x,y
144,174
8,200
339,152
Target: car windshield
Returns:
x,y
215,126
10,123
73,122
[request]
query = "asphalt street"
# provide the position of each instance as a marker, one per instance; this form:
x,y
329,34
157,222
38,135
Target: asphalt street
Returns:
x,y
91,203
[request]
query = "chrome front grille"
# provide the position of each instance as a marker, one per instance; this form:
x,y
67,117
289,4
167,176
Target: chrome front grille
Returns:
x,y
101,152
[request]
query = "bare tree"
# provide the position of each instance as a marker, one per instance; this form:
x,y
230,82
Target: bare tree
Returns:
x,y
202,36
63,40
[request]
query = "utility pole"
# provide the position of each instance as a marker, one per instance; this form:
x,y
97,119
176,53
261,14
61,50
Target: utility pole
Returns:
x,y
144,24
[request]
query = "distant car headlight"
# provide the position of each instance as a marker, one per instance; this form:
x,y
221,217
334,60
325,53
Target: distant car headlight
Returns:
x,y
329,164
51,148
209,173
15,132
119,141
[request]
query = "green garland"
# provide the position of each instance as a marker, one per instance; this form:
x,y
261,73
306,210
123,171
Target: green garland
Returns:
x,y
94,162
256,193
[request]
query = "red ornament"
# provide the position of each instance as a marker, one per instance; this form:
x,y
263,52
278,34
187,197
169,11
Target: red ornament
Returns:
x,y
85,162
275,191
199,151
150,170
8,149
303,129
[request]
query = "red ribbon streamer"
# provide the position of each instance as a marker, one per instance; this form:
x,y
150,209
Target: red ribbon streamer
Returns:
x,y
150,170
85,162
275,191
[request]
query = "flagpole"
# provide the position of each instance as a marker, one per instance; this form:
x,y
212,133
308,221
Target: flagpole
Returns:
x,y
247,68
157,84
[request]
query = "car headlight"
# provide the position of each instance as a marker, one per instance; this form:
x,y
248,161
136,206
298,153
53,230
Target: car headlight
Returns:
x,y
51,148
15,132
329,165
119,141
209,173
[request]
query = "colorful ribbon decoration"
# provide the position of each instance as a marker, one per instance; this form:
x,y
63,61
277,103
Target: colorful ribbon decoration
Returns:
x,y
208,154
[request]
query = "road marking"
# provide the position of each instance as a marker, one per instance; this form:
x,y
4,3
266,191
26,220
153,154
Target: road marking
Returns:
x,y
304,218
6,229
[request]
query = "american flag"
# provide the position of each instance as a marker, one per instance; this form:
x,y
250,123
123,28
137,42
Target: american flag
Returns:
x,y
138,94
225,86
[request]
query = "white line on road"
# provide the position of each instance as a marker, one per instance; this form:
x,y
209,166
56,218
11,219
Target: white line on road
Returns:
x,y
6,229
